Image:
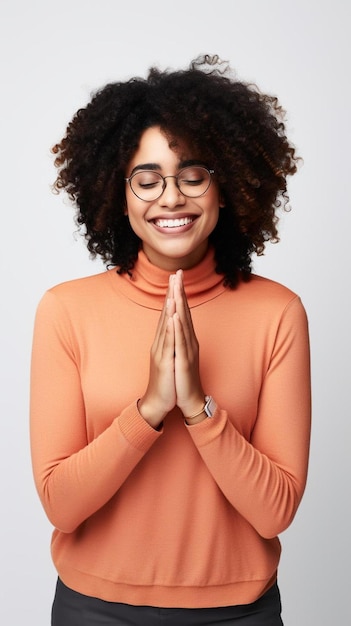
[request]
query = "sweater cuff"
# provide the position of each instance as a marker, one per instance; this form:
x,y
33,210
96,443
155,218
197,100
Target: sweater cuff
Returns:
x,y
136,430
209,429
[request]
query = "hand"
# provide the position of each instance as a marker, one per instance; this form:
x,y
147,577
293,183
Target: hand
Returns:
x,y
189,392
160,396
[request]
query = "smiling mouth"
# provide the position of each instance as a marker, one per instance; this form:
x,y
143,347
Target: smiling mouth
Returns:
x,y
175,223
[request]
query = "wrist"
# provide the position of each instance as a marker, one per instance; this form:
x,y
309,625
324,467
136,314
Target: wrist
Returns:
x,y
206,410
149,414
195,420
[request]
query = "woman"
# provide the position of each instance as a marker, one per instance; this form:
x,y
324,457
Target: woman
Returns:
x,y
170,395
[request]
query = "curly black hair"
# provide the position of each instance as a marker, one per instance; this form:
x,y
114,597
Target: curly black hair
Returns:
x,y
239,131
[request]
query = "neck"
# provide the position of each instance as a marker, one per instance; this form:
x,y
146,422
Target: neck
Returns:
x,y
172,264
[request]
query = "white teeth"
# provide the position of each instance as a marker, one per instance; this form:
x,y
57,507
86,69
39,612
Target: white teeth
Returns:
x,y
181,221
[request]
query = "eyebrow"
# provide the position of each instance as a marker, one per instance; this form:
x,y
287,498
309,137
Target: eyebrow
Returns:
x,y
157,166
145,166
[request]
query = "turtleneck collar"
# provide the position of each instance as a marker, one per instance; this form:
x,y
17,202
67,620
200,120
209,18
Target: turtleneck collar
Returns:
x,y
148,284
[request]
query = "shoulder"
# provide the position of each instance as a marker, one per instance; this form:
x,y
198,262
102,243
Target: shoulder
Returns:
x,y
260,290
266,298
79,287
268,287
79,294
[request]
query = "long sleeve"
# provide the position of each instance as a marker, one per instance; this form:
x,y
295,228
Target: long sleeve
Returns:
x,y
184,516
75,474
264,477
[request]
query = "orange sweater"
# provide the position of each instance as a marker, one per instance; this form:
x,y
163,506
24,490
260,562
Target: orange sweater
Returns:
x,y
187,516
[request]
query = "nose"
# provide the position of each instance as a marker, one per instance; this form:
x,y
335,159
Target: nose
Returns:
x,y
171,195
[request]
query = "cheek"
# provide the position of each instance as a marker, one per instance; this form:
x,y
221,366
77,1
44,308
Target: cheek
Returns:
x,y
215,216
214,208
127,201
132,207
136,216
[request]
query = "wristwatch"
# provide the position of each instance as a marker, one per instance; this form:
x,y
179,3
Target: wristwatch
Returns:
x,y
210,406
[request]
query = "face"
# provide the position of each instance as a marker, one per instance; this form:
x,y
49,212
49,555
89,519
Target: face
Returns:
x,y
174,229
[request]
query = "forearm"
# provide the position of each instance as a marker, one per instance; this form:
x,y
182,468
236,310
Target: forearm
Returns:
x,y
265,492
263,474
75,485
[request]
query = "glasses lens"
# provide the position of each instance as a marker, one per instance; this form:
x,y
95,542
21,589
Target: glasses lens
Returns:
x,y
147,185
194,181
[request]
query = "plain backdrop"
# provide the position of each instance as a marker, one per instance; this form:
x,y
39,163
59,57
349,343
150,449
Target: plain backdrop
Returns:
x,y
53,55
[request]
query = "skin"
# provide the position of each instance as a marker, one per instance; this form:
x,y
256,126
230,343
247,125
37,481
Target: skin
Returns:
x,y
174,378
170,248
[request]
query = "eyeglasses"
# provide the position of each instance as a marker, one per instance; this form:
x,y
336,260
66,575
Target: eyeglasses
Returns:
x,y
149,185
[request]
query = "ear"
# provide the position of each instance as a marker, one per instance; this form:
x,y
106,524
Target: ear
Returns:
x,y
221,201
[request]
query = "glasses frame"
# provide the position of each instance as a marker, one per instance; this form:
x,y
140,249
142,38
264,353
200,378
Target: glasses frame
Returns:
x,y
164,184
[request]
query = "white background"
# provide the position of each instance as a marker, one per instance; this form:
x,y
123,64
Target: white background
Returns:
x,y
53,54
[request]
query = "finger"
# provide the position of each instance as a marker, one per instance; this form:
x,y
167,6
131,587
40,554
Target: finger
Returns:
x,y
182,307
171,285
160,395
168,310
189,391
170,307
180,342
168,347
179,289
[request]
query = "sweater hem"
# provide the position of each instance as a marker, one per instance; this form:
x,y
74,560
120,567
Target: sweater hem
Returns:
x,y
207,596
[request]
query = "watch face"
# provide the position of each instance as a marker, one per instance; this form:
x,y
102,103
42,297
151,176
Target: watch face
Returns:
x,y
210,406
